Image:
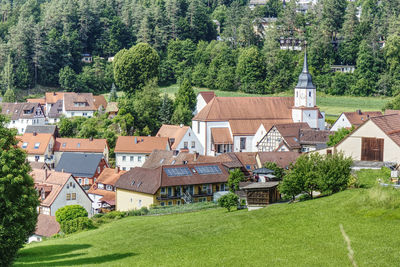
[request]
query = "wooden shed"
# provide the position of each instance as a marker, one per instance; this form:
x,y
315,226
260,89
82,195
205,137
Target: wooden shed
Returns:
x,y
261,194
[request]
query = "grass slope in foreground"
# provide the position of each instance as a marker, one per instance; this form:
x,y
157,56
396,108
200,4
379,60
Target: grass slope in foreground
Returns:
x,y
301,234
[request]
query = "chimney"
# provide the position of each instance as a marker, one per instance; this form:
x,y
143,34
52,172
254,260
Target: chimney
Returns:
x,y
135,140
62,170
34,133
116,169
91,138
181,125
54,93
196,156
358,111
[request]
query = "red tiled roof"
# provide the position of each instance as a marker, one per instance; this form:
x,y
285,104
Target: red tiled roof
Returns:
x,y
53,97
283,159
143,144
207,95
175,132
31,139
47,225
221,135
99,100
390,125
80,145
357,118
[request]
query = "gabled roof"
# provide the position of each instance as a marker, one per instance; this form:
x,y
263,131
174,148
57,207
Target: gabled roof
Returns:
x,y
79,164
18,111
42,129
80,145
221,135
53,97
56,110
175,133
109,176
35,144
207,95
39,165
47,225
150,180
390,125
250,127
41,101
99,100
282,159
246,108
53,183
140,144
391,111
71,98
358,117
310,136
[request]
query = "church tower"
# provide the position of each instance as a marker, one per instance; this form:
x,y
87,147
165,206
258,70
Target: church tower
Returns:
x,y
305,100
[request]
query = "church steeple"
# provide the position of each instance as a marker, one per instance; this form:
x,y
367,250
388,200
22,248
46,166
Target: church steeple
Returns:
x,y
305,79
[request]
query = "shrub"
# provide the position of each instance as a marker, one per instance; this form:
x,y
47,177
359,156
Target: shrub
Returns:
x,y
144,211
228,201
77,224
69,213
98,215
114,215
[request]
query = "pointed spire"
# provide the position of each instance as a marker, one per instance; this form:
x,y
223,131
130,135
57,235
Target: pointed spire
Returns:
x,y
305,63
305,79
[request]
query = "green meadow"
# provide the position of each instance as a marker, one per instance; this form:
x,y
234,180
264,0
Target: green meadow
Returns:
x,y
300,234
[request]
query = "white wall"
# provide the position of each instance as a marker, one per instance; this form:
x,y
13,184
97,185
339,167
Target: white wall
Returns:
x,y
190,137
96,204
341,122
128,163
81,198
249,144
70,114
213,124
34,238
201,103
311,117
21,124
258,136
199,129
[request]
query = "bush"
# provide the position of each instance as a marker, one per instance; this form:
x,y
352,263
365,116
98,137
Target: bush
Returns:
x,y
98,215
228,201
69,213
77,224
114,215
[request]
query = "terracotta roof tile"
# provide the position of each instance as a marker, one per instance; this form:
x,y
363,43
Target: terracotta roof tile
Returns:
x,y
392,111
175,133
41,101
53,97
47,225
109,176
390,125
357,118
18,111
99,100
221,136
112,107
80,145
143,144
207,95
71,98
283,159
250,127
314,136
31,140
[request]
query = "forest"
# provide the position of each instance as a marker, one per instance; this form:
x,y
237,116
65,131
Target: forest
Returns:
x,y
42,43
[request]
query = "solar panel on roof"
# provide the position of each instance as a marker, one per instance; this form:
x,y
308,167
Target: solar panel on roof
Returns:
x,y
212,169
181,171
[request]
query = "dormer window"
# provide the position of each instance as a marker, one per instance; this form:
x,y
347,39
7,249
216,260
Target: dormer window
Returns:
x,y
109,187
25,145
64,144
37,145
78,145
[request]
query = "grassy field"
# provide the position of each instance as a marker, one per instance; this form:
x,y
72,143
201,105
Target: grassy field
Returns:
x,y
301,234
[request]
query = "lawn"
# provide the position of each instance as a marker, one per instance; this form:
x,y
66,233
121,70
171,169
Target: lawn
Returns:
x,y
300,234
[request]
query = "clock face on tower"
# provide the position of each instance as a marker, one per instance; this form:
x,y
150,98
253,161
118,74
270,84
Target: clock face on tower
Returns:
x,y
302,95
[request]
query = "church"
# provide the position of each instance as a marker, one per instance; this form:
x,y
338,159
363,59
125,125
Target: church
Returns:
x,y
237,124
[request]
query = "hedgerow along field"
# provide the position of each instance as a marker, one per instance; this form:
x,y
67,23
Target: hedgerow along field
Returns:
x,y
300,234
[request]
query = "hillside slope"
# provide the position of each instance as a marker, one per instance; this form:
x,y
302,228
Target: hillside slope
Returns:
x,y
302,234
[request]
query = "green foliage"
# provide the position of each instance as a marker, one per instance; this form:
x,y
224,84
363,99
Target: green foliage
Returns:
x,y
228,201
76,225
235,177
9,96
339,135
70,212
135,67
166,109
18,197
186,96
68,79
113,94
250,71
182,115
278,171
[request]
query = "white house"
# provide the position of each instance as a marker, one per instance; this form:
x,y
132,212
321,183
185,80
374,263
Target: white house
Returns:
x,y
39,147
59,189
23,114
132,151
236,124
78,105
350,119
343,68
181,138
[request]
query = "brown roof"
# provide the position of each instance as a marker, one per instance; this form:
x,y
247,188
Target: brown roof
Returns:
x,y
80,145
47,225
174,132
71,98
246,108
56,180
390,125
143,144
109,176
38,165
250,127
53,97
314,136
112,107
158,158
99,100
41,101
392,111
31,140
358,117
150,180
221,136
21,110
207,95
107,195
282,159
291,132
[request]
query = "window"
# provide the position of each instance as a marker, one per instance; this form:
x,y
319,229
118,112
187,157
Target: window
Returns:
x,y
25,145
185,145
242,142
140,203
68,196
123,168
73,196
84,114
193,144
162,190
309,93
131,158
86,181
78,145
169,203
178,202
37,145
162,204
64,144
80,181
109,187
198,127
169,191
72,113
139,158
123,158
37,158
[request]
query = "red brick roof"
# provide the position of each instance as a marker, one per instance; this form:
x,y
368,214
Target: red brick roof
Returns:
x,y
47,225
390,125
143,144
31,140
207,95
80,145
175,132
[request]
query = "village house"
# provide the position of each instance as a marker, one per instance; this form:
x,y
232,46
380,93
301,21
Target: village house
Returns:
x,y
46,226
350,119
41,101
39,165
343,68
87,58
78,105
102,192
39,147
169,185
112,109
181,138
43,129
57,190
378,139
51,99
23,114
80,145
85,167
221,128
55,112
132,151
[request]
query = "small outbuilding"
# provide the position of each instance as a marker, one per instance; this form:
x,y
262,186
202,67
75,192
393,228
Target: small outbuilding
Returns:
x,y
259,195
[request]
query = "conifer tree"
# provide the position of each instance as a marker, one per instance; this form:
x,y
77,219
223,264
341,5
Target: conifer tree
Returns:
x,y
166,109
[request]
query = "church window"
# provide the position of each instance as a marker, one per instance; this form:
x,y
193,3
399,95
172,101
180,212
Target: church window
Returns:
x,y
309,93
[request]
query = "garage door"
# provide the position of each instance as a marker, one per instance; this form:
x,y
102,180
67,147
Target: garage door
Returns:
x,y
372,149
